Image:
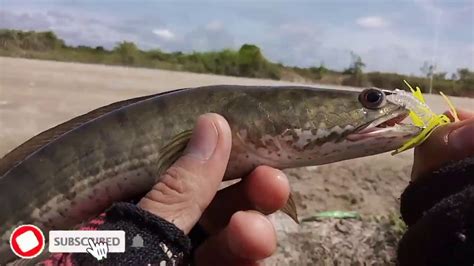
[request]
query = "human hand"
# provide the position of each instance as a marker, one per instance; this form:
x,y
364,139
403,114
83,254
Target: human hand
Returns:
x,y
437,204
454,141
187,193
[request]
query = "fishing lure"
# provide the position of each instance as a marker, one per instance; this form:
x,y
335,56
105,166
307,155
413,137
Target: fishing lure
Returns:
x,y
420,114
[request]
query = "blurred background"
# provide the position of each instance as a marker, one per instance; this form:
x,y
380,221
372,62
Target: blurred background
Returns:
x,y
60,59
355,43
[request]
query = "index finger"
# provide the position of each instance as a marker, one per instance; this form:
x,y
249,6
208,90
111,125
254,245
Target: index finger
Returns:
x,y
462,114
450,142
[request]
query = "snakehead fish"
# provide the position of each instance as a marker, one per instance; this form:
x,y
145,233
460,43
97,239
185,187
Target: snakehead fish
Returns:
x,y
77,169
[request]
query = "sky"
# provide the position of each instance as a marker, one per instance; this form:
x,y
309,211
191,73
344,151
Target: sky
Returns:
x,y
389,35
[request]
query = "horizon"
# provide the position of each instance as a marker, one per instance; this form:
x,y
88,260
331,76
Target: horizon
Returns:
x,y
303,34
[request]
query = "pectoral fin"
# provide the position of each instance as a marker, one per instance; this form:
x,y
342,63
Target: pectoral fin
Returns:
x,y
290,209
173,150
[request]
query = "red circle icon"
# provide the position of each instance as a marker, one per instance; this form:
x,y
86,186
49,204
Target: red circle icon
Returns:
x,y
27,241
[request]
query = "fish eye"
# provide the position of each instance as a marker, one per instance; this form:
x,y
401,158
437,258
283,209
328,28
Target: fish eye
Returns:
x,y
372,98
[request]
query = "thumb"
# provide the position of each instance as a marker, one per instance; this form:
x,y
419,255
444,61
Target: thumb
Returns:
x,y
185,190
451,142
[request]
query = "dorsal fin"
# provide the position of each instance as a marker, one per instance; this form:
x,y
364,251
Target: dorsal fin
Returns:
x,y
19,154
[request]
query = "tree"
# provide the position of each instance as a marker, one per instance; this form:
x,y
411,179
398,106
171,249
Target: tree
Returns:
x,y
453,79
466,81
464,73
128,52
357,64
250,60
355,69
440,75
428,69
51,40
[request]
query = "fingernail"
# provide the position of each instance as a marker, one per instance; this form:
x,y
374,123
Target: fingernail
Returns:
x,y
204,139
463,138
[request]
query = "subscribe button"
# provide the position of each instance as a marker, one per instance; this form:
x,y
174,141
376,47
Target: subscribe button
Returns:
x,y
78,241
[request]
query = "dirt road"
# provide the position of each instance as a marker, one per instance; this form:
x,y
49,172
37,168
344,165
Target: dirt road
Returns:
x,y
35,95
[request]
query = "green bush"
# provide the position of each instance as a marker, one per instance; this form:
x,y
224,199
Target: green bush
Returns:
x,y
465,83
128,52
29,40
464,86
248,61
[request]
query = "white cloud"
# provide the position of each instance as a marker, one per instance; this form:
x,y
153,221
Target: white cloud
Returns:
x,y
205,38
372,22
164,34
391,44
75,30
215,25
430,6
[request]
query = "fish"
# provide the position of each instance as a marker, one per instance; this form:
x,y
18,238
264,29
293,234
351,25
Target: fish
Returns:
x,y
76,170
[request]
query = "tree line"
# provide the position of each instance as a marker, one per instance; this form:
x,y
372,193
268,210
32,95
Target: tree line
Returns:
x,y
248,61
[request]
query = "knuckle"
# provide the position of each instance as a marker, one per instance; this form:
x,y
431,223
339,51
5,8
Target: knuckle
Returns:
x,y
173,179
172,186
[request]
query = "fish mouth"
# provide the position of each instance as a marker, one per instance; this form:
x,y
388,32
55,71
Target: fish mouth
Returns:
x,y
389,125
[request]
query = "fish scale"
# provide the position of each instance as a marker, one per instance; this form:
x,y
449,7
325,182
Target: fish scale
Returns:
x,y
76,170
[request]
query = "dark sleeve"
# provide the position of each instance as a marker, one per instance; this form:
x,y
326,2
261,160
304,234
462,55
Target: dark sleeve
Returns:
x,y
149,240
439,211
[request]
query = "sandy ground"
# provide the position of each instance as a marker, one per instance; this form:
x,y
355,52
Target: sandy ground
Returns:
x,y
35,95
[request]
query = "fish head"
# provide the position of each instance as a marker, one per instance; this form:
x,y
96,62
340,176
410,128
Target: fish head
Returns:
x,y
308,126
351,124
